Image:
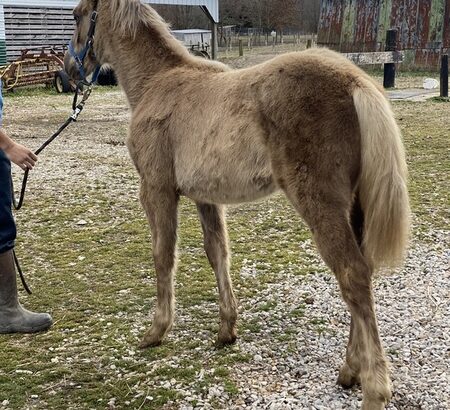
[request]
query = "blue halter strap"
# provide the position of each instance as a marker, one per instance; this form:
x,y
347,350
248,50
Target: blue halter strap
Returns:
x,y
79,57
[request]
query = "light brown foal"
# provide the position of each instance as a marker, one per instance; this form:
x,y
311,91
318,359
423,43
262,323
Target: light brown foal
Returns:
x,y
310,124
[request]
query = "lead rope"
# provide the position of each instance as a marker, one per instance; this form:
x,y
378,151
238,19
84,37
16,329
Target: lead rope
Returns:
x,y
77,108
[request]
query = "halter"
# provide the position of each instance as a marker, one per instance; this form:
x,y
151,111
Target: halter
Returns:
x,y
79,57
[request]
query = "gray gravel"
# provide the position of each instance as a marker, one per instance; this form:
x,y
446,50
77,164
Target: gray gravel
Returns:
x,y
415,333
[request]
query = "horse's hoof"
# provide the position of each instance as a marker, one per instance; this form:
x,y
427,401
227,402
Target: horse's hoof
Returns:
x,y
149,341
373,405
225,339
377,399
346,377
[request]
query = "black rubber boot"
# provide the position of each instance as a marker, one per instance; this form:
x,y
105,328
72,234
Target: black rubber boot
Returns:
x,y
13,317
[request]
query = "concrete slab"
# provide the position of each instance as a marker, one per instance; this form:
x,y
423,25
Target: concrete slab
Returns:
x,y
416,94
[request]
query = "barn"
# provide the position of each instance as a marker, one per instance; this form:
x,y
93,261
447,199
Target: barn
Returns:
x,y
38,23
423,27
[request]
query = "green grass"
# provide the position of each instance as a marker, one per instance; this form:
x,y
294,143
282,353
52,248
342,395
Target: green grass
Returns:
x,y
425,129
441,99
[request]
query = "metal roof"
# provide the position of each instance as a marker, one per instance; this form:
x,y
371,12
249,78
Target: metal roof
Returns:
x,y
191,31
212,6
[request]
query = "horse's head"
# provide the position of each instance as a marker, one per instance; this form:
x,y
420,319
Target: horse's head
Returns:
x,y
83,57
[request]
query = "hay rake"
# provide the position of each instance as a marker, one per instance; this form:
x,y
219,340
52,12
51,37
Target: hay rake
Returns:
x,y
34,67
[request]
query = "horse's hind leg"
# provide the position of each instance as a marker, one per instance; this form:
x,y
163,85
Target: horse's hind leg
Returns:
x,y
328,217
350,370
216,247
160,205
349,374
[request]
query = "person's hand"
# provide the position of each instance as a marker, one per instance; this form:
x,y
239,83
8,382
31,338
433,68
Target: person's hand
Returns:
x,y
21,156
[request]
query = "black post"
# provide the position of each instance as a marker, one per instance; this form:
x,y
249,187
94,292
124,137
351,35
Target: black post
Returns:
x,y
444,75
389,68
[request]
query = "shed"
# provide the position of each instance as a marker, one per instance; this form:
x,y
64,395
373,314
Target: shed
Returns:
x,y
194,36
38,23
423,27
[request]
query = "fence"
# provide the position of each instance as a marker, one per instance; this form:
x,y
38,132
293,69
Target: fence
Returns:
x,y
252,38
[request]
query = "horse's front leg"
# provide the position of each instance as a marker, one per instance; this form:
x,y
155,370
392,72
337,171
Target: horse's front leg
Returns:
x,y
216,246
160,204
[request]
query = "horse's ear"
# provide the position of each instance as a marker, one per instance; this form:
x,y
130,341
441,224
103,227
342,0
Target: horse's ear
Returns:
x,y
94,3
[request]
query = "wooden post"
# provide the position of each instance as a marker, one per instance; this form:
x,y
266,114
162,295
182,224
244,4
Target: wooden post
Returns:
x,y
389,68
241,48
308,43
214,42
444,75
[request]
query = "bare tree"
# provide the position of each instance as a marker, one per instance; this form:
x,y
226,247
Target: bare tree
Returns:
x,y
310,13
266,14
182,17
285,14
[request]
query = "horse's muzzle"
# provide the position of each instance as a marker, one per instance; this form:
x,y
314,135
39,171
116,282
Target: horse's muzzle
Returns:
x,y
70,67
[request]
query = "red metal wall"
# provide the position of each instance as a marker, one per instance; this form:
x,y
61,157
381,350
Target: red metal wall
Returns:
x,y
367,14
423,27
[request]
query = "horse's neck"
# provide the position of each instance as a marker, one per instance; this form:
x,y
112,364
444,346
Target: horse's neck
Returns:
x,y
137,61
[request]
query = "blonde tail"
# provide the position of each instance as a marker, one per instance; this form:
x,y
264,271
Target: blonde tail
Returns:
x,y
382,186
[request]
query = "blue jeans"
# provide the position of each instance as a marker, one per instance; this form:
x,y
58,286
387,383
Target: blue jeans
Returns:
x,y
7,224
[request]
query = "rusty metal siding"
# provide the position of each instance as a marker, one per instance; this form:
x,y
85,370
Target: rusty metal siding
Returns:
x,y
384,23
423,26
436,22
423,23
331,22
446,34
367,15
404,18
348,28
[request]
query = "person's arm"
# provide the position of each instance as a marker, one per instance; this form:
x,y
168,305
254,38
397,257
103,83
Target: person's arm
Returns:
x,y
16,152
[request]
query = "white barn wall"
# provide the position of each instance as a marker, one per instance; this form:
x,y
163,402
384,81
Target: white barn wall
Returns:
x,y
2,37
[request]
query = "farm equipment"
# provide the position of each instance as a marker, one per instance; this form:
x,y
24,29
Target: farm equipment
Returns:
x,y
44,66
200,50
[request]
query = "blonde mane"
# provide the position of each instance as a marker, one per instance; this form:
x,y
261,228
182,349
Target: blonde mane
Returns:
x,y
128,15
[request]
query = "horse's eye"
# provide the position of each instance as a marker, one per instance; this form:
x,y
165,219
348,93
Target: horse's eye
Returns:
x,y
76,18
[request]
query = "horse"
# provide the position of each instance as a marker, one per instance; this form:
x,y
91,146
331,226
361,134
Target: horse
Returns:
x,y
310,124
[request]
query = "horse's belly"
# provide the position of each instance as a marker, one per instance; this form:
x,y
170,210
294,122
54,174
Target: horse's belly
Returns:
x,y
226,178
228,191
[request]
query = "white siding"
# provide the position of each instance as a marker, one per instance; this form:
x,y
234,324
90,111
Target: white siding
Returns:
x,y
3,59
2,25
36,27
211,5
